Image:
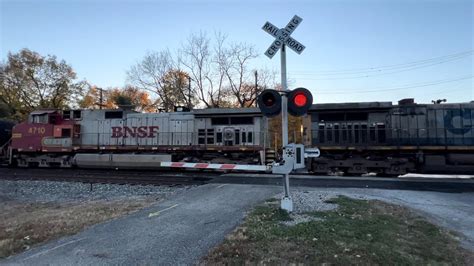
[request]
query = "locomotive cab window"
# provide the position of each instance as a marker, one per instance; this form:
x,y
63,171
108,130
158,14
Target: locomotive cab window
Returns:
x,y
76,114
113,114
40,119
67,115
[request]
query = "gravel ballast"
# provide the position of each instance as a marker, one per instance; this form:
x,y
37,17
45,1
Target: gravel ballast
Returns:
x,y
305,201
52,191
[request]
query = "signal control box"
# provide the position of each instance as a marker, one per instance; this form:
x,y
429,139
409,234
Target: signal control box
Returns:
x,y
293,158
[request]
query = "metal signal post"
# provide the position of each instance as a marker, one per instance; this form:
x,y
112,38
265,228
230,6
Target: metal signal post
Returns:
x,y
286,202
284,99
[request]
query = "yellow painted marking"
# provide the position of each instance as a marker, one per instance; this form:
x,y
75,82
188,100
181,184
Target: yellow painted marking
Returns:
x,y
51,249
152,214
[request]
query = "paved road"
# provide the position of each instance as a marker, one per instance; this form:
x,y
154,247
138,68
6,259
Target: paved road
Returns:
x,y
177,231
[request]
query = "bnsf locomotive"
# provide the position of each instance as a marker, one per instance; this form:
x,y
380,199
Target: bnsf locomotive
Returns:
x,y
354,138
127,139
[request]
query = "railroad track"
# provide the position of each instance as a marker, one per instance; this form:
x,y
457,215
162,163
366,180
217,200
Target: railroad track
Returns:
x,y
173,178
109,176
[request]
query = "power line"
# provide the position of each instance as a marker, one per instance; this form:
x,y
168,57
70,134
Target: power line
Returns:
x,y
457,88
409,66
424,84
382,74
424,61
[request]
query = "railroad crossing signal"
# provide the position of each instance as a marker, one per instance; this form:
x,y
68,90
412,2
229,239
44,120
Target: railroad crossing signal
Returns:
x,y
299,101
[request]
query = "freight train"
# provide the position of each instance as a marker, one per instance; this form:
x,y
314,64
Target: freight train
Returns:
x,y
354,138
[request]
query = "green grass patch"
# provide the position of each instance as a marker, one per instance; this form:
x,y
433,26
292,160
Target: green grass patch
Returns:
x,y
357,232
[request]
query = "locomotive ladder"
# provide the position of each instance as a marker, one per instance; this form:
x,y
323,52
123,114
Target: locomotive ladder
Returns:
x,y
4,154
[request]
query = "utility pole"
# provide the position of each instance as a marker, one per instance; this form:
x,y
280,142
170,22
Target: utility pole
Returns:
x,y
189,93
100,97
256,86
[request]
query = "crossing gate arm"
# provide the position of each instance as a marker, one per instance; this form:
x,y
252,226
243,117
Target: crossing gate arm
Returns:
x,y
215,166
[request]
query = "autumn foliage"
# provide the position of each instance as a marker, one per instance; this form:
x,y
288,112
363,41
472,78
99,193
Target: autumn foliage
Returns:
x,y
126,98
295,130
30,81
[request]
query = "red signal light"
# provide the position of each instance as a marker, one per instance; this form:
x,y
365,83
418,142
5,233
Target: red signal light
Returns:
x,y
300,99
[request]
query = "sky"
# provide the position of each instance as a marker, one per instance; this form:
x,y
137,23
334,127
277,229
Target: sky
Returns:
x,y
367,50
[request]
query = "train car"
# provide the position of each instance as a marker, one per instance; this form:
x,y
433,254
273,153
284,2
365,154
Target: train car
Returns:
x,y
357,138
127,139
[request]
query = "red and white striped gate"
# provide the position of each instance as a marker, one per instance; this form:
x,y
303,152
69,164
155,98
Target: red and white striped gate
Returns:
x,y
215,166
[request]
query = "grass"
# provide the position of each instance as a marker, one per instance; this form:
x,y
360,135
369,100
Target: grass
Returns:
x,y
23,225
357,232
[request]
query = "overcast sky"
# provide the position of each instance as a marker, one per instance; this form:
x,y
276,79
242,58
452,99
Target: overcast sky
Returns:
x,y
355,50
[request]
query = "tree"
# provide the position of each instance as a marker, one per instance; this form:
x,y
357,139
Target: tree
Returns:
x,y
209,66
30,81
236,71
5,111
91,99
148,74
220,73
196,57
176,85
125,98
131,98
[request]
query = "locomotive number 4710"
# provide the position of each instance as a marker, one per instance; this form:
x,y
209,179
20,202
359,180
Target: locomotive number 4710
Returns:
x,y
36,130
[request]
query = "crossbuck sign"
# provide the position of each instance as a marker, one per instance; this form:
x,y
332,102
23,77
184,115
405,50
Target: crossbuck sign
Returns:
x,y
282,36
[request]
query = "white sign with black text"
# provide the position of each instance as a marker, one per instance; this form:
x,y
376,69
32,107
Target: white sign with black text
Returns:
x,y
282,36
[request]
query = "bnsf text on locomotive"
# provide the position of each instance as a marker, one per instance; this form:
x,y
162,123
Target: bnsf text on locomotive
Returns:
x,y
138,132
